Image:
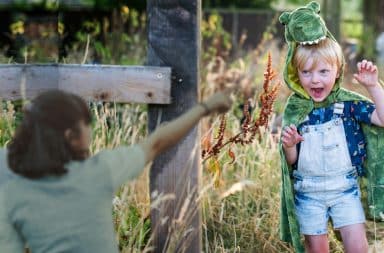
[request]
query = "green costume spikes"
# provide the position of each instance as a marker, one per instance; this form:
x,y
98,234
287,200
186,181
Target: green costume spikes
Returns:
x,y
305,26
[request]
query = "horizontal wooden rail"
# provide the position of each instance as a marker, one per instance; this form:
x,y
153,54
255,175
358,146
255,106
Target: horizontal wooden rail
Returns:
x,y
139,84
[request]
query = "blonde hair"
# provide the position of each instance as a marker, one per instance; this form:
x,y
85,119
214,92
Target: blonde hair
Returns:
x,y
326,50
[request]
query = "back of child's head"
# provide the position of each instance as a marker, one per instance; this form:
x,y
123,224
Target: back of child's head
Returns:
x,y
39,147
327,50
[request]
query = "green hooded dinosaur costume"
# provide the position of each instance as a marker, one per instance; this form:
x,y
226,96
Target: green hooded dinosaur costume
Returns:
x,y
305,26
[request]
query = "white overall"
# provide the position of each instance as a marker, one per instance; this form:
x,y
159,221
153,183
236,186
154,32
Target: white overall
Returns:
x,y
324,162
325,182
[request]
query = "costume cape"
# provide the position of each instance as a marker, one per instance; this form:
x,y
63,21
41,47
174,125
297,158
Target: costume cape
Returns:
x,y
305,26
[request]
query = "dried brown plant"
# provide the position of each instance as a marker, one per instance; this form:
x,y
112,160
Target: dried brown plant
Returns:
x,y
249,128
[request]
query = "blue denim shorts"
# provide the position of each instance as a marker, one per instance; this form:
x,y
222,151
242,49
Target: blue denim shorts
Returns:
x,y
314,209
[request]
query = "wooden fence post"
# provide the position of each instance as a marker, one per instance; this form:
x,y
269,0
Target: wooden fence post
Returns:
x,y
174,41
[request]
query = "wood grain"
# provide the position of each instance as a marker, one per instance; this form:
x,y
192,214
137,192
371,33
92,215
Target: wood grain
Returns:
x,y
92,82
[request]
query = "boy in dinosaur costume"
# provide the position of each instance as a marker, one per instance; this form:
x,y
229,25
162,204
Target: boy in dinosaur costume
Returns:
x,y
330,137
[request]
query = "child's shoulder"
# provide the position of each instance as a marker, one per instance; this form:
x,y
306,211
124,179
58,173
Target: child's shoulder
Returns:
x,y
350,105
3,154
348,95
5,173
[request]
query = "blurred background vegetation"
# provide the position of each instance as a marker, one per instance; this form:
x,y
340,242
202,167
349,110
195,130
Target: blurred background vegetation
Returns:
x,y
240,201
48,30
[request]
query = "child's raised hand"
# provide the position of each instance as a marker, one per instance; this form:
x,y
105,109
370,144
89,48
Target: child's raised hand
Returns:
x,y
290,136
367,74
219,102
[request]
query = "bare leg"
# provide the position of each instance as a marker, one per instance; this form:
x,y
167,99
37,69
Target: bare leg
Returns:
x,y
354,238
316,244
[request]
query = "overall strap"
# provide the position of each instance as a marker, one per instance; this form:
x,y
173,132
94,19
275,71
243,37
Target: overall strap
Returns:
x,y
338,109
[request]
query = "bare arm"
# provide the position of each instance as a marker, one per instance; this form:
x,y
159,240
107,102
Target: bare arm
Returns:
x,y
291,154
168,135
377,94
368,76
290,138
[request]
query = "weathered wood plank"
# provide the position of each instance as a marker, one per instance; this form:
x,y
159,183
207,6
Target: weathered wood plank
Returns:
x,y
26,81
174,40
92,82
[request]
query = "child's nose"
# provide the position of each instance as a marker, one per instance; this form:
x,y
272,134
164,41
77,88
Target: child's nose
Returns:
x,y
315,78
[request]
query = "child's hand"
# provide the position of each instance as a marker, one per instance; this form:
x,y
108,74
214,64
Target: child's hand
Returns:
x,y
290,136
367,74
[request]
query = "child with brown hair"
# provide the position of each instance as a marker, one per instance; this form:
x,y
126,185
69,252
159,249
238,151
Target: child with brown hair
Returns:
x,y
54,196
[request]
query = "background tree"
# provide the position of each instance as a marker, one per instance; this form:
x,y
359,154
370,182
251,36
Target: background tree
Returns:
x,y
331,11
263,4
373,24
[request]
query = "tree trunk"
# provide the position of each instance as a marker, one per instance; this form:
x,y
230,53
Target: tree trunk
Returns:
x,y
174,40
373,20
380,17
332,13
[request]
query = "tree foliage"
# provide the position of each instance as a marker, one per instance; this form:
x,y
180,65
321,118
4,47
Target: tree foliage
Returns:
x,y
264,4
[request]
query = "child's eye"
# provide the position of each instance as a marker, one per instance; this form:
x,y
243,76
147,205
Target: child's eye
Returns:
x,y
304,72
324,71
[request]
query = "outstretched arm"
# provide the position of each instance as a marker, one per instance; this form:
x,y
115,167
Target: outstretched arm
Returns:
x,y
368,76
168,135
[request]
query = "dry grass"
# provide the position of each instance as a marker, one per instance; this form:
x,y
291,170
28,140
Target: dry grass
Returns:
x,y
241,213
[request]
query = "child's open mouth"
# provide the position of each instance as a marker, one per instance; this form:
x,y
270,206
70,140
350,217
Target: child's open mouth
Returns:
x,y
317,92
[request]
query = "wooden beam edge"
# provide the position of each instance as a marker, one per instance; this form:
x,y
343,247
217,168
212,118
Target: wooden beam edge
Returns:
x,y
149,84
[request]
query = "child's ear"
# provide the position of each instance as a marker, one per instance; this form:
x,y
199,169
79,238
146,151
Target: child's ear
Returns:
x,y
69,134
71,138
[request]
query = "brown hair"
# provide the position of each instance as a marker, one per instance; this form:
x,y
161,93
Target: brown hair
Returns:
x,y
39,147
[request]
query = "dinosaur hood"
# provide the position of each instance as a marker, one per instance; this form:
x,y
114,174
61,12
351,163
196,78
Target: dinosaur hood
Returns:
x,y
303,26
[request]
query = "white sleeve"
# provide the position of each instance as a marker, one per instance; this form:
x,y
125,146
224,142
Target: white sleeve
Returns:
x,y
123,163
10,241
